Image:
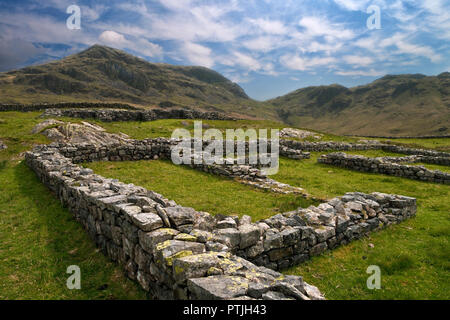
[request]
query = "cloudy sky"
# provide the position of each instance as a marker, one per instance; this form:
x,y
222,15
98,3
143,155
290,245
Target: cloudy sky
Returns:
x,y
269,47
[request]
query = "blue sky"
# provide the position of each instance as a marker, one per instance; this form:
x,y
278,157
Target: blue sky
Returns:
x,y
268,47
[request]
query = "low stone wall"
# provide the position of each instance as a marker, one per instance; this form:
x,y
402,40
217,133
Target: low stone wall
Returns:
x,y
134,115
78,105
445,161
148,149
403,137
169,249
293,237
327,145
380,165
413,151
345,146
176,252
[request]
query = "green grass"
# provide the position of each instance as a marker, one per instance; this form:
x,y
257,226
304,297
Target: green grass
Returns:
x,y
39,239
202,191
413,256
15,132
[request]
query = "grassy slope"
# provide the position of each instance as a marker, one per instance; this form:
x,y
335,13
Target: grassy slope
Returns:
x,y
413,256
402,105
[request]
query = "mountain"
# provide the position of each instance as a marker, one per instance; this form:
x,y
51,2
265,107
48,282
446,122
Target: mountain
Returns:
x,y
105,74
395,105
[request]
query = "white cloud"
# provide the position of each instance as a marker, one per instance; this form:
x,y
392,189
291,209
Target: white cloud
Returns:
x,y
245,61
141,45
365,73
112,38
295,62
264,44
353,5
358,60
270,26
316,26
198,54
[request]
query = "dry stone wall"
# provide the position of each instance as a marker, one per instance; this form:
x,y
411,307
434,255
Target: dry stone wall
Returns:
x,y
345,146
176,252
440,160
385,166
170,250
134,115
148,149
43,106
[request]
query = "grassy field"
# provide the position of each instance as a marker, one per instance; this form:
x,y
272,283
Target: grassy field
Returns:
x,y
39,239
202,191
414,256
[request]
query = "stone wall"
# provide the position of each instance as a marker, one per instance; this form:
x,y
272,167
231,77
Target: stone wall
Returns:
x,y
148,149
170,250
381,165
346,146
327,145
176,252
293,237
403,137
134,115
43,106
440,160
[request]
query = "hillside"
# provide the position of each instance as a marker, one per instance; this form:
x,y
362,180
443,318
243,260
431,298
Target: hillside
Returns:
x,y
109,75
395,105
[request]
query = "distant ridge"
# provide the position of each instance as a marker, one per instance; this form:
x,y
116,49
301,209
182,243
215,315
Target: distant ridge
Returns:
x,y
394,105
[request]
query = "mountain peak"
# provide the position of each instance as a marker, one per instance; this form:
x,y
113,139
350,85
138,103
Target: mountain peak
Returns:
x,y
108,74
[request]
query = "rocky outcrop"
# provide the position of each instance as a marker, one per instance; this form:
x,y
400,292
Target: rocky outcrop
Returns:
x,y
386,166
299,134
176,252
134,115
84,132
